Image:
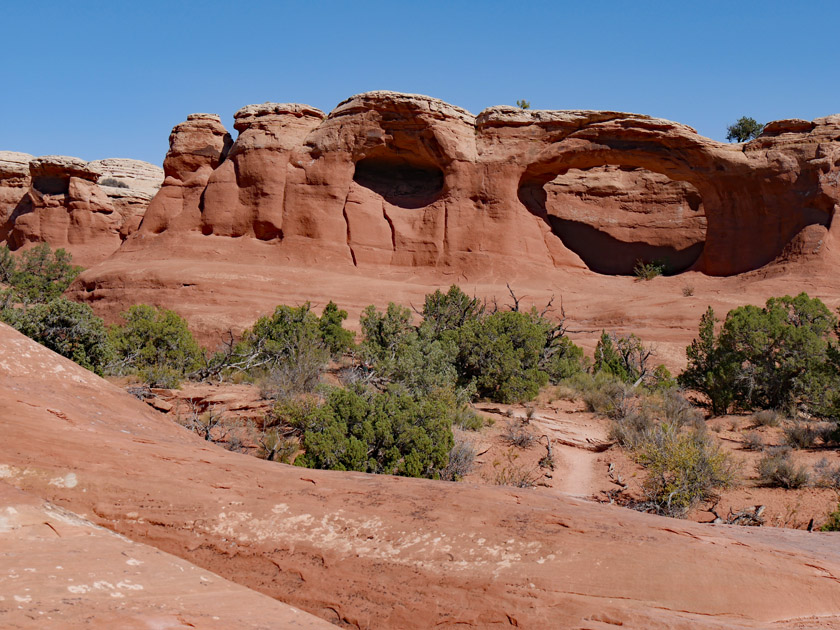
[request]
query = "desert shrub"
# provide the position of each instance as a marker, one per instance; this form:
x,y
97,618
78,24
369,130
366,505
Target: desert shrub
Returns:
x,y
628,359
299,373
38,275
688,291
744,129
377,432
70,329
776,357
384,332
505,356
678,410
753,442
461,459
602,393
684,467
648,270
801,435
501,354
8,265
451,310
710,371
767,418
633,428
276,447
282,337
513,473
833,522
156,345
466,418
337,338
826,475
517,434
777,469
113,182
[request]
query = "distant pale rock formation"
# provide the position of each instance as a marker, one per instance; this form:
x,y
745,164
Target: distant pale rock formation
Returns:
x,y
87,208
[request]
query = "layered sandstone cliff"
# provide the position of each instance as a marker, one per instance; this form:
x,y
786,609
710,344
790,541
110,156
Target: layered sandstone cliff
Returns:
x,y
87,208
409,181
412,189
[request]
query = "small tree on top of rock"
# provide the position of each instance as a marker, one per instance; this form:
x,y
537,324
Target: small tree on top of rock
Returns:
x,y
744,129
523,104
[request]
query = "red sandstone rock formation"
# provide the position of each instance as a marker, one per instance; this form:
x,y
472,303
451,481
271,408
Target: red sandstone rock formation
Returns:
x,y
392,195
14,182
410,181
57,200
368,551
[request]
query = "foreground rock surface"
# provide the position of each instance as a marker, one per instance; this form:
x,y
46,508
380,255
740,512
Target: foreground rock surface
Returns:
x,y
62,571
383,552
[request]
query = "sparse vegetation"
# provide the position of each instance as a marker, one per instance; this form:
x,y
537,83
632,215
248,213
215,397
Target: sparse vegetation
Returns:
x,y
753,442
685,466
518,434
801,435
744,129
833,522
113,182
688,290
510,472
826,475
461,459
523,104
648,270
777,469
767,418
155,345
781,356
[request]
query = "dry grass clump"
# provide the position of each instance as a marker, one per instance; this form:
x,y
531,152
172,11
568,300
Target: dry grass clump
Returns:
x,y
461,459
466,418
753,442
778,470
515,474
801,435
827,476
517,434
767,418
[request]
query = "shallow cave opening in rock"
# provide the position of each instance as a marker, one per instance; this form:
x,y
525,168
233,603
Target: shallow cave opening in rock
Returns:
x,y
401,182
51,184
614,217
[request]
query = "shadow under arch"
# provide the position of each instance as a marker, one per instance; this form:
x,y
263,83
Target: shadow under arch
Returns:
x,y
601,251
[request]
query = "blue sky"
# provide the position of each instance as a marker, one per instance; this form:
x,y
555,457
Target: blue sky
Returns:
x,y
110,79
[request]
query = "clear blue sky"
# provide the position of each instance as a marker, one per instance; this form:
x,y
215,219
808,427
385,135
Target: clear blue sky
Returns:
x,y
110,79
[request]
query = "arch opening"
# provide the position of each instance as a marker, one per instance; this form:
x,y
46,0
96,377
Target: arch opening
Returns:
x,y
400,181
614,216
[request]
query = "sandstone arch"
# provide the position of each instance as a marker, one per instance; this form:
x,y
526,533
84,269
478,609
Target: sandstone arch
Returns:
x,y
756,201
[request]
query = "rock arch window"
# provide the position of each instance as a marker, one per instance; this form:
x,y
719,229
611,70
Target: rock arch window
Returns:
x,y
400,181
51,184
614,216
